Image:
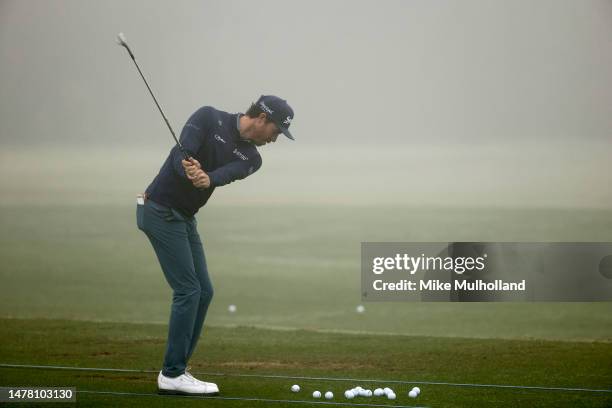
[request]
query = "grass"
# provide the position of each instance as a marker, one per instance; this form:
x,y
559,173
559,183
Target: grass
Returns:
x,y
81,287
246,350
283,267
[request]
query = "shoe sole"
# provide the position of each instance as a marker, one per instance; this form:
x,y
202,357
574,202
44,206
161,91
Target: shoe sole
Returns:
x,y
188,394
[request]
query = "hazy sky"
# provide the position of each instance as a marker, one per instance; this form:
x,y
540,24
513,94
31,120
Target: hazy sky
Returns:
x,y
382,90
353,70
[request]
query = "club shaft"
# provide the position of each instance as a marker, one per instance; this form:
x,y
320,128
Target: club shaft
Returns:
x,y
157,104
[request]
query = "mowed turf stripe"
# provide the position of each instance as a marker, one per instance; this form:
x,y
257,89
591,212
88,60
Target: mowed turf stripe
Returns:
x,y
136,394
270,376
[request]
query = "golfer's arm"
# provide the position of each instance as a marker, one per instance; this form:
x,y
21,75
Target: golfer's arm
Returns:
x,y
192,138
236,170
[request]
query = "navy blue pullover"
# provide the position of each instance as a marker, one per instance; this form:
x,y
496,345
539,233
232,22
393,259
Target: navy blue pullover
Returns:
x,y
212,137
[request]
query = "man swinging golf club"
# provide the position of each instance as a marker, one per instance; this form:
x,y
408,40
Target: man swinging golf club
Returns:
x,y
221,149
215,149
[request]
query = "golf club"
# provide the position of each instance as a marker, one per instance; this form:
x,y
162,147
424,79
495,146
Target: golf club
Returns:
x,y
121,41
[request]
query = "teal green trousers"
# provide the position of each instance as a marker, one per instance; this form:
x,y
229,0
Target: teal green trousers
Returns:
x,y
178,247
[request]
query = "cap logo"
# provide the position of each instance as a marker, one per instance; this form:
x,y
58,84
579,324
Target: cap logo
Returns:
x,y
288,120
265,108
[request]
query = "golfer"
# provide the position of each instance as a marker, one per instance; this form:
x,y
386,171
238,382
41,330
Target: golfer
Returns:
x,y
222,149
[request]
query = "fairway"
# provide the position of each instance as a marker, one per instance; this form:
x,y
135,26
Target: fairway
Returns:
x,y
296,297
283,267
256,364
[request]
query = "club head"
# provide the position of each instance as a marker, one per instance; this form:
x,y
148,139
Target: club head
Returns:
x,y
121,39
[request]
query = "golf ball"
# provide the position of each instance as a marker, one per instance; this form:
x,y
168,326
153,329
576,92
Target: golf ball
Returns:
x,y
412,394
295,388
379,392
360,309
391,396
387,391
349,394
417,389
231,308
316,394
368,393
329,395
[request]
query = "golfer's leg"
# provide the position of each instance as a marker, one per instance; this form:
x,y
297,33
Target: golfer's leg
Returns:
x,y
173,250
206,294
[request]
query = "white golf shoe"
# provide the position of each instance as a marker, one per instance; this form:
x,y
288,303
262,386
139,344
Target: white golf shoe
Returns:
x,y
185,384
212,385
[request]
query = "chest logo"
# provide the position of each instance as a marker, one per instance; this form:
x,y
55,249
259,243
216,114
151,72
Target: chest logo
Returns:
x,y
240,154
219,138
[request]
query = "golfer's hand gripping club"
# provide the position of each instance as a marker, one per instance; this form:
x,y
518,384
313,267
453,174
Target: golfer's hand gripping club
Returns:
x,y
194,172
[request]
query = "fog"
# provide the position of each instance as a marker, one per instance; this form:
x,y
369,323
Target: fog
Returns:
x,y
472,103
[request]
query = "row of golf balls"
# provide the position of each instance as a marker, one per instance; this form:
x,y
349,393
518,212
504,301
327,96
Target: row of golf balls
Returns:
x,y
361,392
